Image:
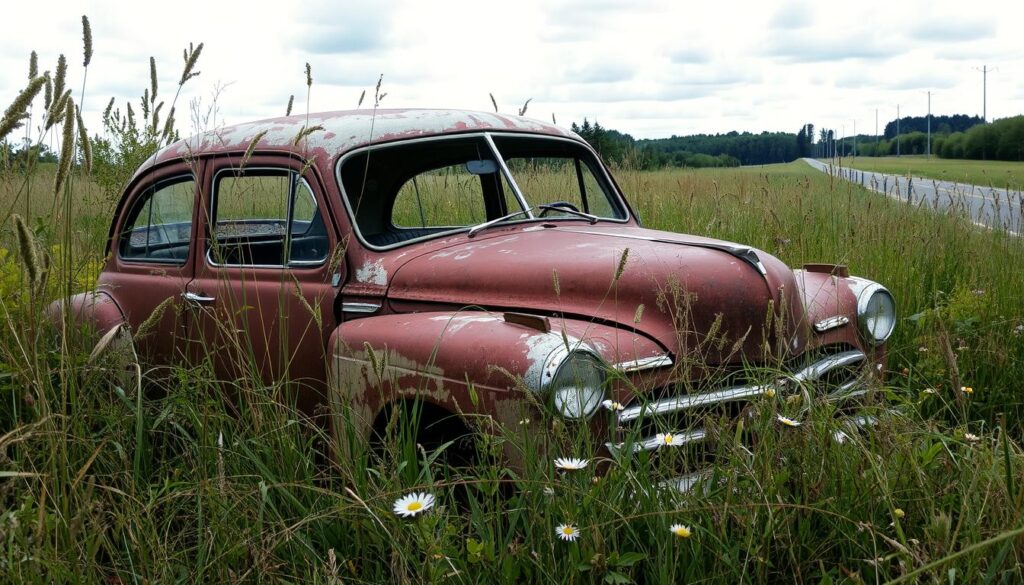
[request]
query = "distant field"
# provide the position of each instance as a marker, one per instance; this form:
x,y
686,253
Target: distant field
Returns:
x,y
1007,175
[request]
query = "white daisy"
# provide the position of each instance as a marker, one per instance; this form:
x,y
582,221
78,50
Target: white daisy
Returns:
x,y
571,463
788,421
669,439
680,530
567,532
613,406
971,437
413,504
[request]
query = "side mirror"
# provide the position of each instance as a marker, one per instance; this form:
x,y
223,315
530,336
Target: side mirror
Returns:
x,y
481,167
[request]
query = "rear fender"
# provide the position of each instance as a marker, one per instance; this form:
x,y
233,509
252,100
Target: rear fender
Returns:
x,y
465,362
95,312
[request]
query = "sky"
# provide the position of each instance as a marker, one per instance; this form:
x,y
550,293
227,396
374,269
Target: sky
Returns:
x,y
650,68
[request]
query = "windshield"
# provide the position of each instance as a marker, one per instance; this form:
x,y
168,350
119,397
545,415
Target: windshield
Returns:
x,y
419,189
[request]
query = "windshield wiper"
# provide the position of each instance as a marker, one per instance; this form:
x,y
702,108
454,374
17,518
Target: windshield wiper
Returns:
x,y
473,230
563,209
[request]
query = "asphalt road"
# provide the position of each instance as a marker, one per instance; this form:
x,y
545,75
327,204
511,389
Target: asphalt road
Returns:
x,y
986,206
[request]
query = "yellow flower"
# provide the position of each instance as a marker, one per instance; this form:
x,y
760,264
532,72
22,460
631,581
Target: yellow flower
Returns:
x,y
967,390
680,530
788,421
899,513
770,392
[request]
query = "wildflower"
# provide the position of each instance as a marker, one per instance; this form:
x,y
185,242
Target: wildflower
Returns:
x,y
971,437
413,504
680,530
787,421
929,391
570,463
613,406
899,513
567,532
967,390
922,349
669,439
525,421
549,491
1018,330
770,392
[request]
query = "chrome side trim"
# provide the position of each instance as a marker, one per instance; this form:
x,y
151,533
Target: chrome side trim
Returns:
x,y
360,307
677,403
652,443
642,364
831,323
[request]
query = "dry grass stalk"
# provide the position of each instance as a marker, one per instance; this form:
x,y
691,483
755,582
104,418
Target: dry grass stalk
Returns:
x,y
622,265
306,132
16,111
494,102
67,148
150,324
309,75
191,56
83,141
86,40
291,102
362,96
104,343
522,110
107,110
252,147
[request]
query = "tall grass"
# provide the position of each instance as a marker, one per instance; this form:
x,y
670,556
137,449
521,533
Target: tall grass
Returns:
x,y
101,481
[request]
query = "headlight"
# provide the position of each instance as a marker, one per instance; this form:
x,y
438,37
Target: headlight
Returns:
x,y
577,388
876,312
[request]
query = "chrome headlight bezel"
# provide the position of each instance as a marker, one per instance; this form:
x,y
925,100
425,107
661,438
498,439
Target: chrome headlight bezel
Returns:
x,y
868,314
567,397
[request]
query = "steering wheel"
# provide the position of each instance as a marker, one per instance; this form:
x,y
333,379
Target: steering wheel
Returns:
x,y
547,207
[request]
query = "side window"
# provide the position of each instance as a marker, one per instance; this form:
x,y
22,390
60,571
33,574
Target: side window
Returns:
x,y
445,197
159,228
251,215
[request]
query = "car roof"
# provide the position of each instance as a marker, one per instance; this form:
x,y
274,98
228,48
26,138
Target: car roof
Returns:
x,y
341,131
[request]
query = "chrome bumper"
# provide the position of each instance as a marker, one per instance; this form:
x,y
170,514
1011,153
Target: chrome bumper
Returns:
x,y
682,405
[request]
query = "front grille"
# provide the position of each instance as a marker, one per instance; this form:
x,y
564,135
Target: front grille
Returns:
x,y
839,374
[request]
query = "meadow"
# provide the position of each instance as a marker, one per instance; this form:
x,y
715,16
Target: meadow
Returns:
x,y
101,481
986,173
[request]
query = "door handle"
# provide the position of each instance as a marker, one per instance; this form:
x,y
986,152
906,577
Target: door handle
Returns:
x,y
197,298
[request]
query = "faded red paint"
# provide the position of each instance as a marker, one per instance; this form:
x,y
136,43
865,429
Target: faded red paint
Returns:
x,y
439,325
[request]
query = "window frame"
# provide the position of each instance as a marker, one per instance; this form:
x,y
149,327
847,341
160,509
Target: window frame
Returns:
x,y
604,177
238,172
145,194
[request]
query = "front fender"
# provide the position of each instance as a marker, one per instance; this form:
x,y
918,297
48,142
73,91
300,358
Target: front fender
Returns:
x,y
467,362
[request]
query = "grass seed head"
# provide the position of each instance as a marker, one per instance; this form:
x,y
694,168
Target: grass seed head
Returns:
x,y
33,66
291,102
48,90
522,110
309,75
152,78
150,324
16,111
67,148
83,142
86,41
27,248
191,57
252,146
494,102
60,76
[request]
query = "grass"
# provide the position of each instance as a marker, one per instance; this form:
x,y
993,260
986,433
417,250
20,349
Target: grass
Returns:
x,y
986,173
101,481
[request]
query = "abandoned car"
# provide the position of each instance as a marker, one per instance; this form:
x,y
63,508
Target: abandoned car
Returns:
x,y
464,259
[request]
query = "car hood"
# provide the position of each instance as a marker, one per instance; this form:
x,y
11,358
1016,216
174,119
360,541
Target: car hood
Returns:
x,y
690,294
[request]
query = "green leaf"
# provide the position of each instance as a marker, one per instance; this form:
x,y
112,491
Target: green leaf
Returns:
x,y
628,559
615,577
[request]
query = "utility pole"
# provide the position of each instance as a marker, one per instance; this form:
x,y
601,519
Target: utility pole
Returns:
x,y
876,132
984,92
897,129
855,139
928,148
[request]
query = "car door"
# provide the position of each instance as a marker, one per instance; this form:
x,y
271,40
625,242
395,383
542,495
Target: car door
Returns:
x,y
152,258
265,283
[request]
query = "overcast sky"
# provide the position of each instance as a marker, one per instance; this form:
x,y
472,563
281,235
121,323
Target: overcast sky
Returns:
x,y
646,67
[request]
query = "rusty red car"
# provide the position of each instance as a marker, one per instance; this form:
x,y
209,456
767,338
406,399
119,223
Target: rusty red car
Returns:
x,y
480,263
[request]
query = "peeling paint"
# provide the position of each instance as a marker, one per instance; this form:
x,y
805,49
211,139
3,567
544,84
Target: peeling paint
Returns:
x,y
372,273
457,322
